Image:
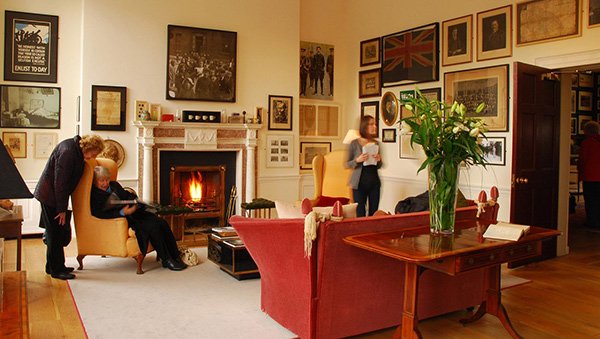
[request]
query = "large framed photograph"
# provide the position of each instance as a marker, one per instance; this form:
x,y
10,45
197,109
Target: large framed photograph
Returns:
x,y
109,108
16,142
309,150
280,151
389,108
537,20
594,13
388,135
457,41
585,102
494,150
316,70
30,47
280,112
370,52
30,107
201,64
411,56
370,108
369,83
494,33
44,144
473,86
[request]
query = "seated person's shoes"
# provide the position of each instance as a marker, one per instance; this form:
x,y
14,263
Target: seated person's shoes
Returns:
x,y
174,265
66,269
63,276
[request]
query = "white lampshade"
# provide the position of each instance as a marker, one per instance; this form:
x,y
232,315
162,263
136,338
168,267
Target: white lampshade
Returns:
x,y
351,135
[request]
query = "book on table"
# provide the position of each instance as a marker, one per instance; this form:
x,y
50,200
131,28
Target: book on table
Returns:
x,y
226,231
505,231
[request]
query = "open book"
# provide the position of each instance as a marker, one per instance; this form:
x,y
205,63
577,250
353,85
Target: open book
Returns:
x,y
118,203
371,149
505,231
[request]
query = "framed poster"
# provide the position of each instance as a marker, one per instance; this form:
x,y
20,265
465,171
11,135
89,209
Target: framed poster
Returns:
x,y
16,142
201,64
494,150
280,151
30,107
316,70
411,56
388,135
585,101
494,33
389,108
44,144
30,47
537,20
371,108
280,112
309,150
109,108
473,86
370,52
369,83
594,13
457,41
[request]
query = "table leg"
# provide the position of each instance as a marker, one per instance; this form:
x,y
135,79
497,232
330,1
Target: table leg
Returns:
x,y
19,252
408,328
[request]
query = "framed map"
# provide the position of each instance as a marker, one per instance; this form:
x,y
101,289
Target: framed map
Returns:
x,y
547,20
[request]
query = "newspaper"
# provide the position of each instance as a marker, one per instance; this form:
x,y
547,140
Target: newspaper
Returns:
x,y
372,149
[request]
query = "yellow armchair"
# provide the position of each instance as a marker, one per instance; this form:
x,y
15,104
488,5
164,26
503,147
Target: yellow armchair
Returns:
x,y
330,176
95,236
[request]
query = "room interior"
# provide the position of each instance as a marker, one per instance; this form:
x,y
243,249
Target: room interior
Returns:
x,y
124,44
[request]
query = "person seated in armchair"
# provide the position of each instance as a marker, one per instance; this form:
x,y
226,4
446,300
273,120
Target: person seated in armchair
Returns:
x,y
147,226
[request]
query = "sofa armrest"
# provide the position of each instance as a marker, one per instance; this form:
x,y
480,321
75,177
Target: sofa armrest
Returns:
x,y
102,236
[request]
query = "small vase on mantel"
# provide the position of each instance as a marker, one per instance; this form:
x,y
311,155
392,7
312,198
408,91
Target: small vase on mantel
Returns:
x,y
443,183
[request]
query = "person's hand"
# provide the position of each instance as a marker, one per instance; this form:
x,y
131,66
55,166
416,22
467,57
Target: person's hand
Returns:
x,y
362,158
62,217
377,157
129,210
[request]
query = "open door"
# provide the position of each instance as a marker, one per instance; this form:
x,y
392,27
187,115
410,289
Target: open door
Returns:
x,y
536,137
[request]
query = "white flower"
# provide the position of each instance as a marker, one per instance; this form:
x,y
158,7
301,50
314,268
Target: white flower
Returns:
x,y
474,132
408,107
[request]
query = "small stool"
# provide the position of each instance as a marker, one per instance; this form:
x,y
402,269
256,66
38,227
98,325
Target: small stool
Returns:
x,y
258,208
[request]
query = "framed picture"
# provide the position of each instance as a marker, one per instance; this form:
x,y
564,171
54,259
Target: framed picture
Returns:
x,y
586,80
369,52
30,47
280,112
432,93
536,20
582,119
408,151
574,80
457,41
371,108
573,102
369,83
44,144
319,121
573,125
473,86
494,150
308,150
411,56
388,135
594,13
389,109
494,33
109,108
585,101
155,112
190,47
113,150
319,58
280,151
16,142
30,107
405,95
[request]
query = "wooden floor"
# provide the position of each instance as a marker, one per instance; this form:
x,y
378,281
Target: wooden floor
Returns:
x,y
562,301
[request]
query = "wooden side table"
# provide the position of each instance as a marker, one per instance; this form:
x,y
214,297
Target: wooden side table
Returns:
x,y
10,227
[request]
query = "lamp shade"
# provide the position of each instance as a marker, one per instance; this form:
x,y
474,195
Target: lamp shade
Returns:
x,y
12,185
351,135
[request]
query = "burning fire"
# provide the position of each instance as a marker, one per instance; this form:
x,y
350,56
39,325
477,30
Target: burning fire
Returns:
x,y
196,186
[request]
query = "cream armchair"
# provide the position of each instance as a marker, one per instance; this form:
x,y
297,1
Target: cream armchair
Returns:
x,y
106,237
330,176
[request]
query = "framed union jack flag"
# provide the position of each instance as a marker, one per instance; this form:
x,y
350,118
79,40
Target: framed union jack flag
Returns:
x,y
411,56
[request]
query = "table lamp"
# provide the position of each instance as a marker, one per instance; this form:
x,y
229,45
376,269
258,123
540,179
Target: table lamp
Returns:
x,y
351,135
12,185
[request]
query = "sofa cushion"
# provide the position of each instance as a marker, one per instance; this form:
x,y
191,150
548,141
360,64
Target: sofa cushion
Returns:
x,y
348,210
288,210
325,201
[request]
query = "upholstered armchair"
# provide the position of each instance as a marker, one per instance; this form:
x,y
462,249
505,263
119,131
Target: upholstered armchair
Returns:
x,y
330,176
106,237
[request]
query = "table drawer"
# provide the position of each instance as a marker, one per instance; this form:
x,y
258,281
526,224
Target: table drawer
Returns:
x,y
511,253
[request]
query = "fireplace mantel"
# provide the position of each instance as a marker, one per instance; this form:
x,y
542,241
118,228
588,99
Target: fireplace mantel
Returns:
x,y
192,136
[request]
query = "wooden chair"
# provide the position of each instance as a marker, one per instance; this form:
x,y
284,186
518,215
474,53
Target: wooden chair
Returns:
x,y
330,176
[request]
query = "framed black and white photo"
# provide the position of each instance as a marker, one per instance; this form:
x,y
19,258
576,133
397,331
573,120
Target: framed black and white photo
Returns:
x,y
309,150
585,101
371,108
388,135
316,70
389,108
370,52
201,64
109,105
30,107
30,47
457,40
494,33
280,112
280,151
494,150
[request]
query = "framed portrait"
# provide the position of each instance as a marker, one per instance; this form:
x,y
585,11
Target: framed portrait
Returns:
x,y
471,87
411,56
586,80
408,151
369,83
573,102
537,20
457,41
494,150
388,135
30,47
585,101
594,13
494,33
370,108
16,142
113,150
188,48
432,93
109,108
389,108
573,125
370,52
280,151
30,107
319,121
280,112
309,150
44,144
405,95
320,58
582,120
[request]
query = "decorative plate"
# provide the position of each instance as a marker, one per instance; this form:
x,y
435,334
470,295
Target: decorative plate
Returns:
x,y
114,151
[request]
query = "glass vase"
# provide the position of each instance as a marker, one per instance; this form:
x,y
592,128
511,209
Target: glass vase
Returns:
x,y
443,183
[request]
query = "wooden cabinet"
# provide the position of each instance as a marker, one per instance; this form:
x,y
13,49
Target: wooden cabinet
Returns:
x,y
232,256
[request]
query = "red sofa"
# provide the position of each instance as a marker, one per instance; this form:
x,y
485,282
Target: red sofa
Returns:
x,y
341,290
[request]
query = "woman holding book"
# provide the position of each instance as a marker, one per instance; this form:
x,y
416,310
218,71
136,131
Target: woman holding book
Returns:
x,y
364,158
106,203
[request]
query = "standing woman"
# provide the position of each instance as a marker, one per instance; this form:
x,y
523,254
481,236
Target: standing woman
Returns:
x,y
364,158
59,179
589,172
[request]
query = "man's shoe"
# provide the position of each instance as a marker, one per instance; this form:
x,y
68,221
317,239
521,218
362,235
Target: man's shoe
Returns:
x,y
174,265
66,269
63,276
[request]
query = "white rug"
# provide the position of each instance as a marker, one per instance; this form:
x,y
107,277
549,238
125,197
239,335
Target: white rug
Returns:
x,y
199,302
